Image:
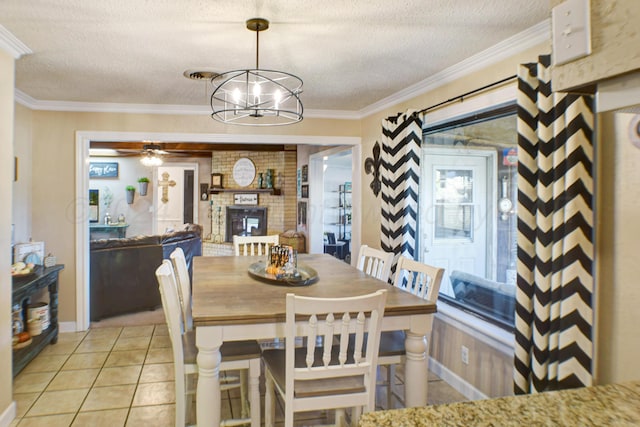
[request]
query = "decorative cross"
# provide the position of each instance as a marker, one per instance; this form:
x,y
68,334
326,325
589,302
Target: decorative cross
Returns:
x,y
165,184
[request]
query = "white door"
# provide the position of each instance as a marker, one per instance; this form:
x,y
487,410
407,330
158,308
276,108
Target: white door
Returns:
x,y
170,197
454,198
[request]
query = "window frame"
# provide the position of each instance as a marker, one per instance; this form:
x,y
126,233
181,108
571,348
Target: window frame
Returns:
x,y
451,117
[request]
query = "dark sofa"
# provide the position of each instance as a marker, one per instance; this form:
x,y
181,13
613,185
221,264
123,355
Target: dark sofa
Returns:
x,y
123,277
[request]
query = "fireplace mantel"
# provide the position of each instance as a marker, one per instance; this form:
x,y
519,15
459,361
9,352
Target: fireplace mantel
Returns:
x,y
273,191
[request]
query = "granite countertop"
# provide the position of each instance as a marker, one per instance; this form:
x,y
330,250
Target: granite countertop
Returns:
x,y
606,405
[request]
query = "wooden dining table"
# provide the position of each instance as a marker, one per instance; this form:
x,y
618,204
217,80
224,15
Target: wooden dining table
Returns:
x,y
229,304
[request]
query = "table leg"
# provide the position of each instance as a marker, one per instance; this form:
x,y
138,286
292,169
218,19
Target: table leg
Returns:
x,y
416,370
208,341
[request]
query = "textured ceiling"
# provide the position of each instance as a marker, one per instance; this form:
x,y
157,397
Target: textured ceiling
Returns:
x,y
349,53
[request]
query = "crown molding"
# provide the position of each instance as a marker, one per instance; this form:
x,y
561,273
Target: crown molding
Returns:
x,y
524,40
102,107
520,42
105,107
11,44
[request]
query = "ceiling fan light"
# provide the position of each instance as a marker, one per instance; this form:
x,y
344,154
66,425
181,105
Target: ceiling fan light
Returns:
x,y
151,160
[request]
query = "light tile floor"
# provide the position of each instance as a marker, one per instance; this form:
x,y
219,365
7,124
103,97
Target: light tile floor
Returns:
x,y
122,376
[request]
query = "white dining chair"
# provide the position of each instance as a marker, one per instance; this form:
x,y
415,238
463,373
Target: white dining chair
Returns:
x,y
181,270
375,262
336,377
421,280
235,355
254,245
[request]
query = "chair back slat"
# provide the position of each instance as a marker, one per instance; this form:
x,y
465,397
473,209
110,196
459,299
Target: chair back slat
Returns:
x,y
184,286
254,245
375,262
334,319
420,279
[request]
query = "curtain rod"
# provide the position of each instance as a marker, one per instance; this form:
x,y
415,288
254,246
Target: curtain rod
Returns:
x,y
461,97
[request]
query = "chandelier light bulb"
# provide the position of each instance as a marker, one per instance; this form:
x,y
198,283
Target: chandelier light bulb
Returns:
x,y
277,96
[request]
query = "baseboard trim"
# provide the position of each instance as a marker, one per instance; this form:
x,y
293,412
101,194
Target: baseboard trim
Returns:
x,y
67,327
8,415
461,386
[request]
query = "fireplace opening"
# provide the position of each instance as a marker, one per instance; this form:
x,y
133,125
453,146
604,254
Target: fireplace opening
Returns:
x,y
245,221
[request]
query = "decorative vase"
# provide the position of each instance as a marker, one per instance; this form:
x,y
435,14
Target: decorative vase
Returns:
x,y
269,178
260,180
130,194
143,188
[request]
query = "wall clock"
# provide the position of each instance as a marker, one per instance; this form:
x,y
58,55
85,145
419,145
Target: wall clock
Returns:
x,y
244,171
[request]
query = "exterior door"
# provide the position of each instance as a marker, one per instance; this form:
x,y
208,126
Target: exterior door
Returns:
x,y
454,199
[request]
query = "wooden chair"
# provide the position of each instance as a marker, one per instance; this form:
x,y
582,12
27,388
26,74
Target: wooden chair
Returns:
x,y
421,280
254,245
235,356
375,262
312,378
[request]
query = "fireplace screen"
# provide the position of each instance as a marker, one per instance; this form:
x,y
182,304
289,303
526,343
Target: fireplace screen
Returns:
x,y
244,221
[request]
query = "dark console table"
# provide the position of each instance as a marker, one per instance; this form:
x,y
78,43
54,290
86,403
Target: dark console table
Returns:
x,y
22,290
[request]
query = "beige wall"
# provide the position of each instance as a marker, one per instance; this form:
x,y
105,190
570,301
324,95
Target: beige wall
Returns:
x,y
618,234
22,195
7,72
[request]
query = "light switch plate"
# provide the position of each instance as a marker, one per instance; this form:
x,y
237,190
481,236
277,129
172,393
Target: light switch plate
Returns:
x,y
571,27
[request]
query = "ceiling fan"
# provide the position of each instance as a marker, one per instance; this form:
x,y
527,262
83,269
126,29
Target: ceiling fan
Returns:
x,y
149,149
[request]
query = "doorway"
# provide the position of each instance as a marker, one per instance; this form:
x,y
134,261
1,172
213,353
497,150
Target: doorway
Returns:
x,y
83,140
454,205
176,196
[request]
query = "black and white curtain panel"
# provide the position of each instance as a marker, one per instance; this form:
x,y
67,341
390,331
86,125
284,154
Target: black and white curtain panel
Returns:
x,y
554,298
400,176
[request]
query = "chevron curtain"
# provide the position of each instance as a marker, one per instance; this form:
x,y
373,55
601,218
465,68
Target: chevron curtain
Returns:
x,y
554,314
400,176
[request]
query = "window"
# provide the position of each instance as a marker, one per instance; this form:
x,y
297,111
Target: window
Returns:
x,y
468,211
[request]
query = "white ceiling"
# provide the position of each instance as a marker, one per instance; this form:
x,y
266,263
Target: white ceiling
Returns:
x,y
350,54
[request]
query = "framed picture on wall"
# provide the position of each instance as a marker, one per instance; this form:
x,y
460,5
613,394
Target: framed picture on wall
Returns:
x,y
98,170
216,180
304,191
305,173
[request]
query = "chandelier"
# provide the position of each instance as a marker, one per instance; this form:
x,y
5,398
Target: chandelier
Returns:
x,y
256,97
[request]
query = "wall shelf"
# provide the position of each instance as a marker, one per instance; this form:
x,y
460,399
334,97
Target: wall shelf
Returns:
x,y
273,191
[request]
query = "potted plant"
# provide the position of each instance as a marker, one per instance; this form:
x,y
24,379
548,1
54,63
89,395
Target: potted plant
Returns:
x,y
143,183
131,190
